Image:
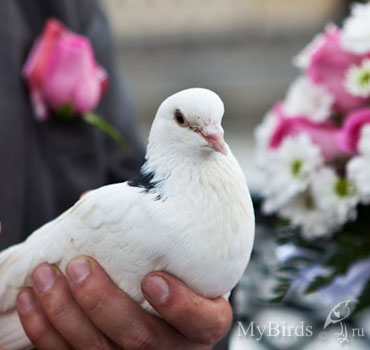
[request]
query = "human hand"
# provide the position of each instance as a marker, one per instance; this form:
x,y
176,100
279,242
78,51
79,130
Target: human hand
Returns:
x,y
85,310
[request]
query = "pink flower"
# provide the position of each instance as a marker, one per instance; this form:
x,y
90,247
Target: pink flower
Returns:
x,y
329,65
351,131
61,71
325,135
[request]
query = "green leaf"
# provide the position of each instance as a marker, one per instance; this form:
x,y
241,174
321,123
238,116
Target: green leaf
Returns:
x,y
288,269
340,261
108,129
280,291
320,282
276,300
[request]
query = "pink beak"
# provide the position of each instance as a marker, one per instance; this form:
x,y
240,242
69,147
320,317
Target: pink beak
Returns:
x,y
214,135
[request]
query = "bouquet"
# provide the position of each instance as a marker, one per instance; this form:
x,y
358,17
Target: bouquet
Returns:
x,y
313,149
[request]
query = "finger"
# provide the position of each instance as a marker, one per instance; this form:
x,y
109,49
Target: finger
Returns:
x,y
118,316
37,327
109,308
63,312
199,319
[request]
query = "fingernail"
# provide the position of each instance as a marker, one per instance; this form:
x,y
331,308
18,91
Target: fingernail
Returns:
x,y
25,302
44,278
78,270
156,288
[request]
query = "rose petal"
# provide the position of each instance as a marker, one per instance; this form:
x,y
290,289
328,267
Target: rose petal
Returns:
x,y
71,70
325,135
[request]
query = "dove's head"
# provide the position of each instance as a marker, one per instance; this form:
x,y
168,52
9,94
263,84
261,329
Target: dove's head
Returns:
x,y
189,122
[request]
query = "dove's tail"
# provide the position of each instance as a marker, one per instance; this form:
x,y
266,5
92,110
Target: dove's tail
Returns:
x,y
15,265
12,335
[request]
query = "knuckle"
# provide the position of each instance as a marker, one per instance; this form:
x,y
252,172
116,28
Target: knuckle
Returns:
x,y
141,339
219,328
100,346
95,303
188,308
209,337
93,296
38,338
57,305
96,344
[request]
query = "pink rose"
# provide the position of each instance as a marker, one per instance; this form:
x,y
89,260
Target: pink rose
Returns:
x,y
325,135
61,71
329,65
351,130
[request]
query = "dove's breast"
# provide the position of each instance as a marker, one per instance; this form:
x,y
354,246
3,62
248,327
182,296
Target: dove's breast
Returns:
x,y
210,229
209,270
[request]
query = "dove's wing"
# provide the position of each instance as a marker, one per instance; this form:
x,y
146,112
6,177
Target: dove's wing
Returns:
x,y
109,223
112,224
116,227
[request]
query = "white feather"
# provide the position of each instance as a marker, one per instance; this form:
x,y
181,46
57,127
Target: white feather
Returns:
x,y
201,229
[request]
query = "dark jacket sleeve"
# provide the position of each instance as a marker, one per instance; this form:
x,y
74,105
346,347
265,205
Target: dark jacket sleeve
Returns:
x,y
116,105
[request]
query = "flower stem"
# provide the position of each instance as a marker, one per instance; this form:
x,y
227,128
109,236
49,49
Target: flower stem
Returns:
x,y
99,123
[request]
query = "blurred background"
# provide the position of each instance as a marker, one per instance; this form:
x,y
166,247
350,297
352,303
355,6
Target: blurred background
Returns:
x,y
242,49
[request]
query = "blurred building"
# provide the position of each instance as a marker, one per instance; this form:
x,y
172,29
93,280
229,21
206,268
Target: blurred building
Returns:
x,y
143,20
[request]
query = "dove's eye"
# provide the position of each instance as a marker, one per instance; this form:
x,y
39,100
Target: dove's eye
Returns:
x,y
180,119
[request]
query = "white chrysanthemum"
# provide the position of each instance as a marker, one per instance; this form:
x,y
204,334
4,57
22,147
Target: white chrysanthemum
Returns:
x,y
289,170
303,59
303,211
358,168
364,141
334,194
264,131
358,79
308,99
356,30
263,134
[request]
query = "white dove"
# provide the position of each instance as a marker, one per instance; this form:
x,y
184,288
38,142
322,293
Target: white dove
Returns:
x,y
189,213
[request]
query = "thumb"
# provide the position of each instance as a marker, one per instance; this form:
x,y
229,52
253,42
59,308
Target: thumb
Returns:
x,y
199,319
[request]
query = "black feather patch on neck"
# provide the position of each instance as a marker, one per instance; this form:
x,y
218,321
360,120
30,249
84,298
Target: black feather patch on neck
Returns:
x,y
145,181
